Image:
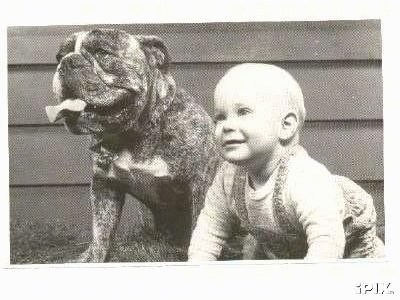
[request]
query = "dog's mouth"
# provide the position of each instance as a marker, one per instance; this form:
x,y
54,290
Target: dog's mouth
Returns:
x,y
122,104
57,112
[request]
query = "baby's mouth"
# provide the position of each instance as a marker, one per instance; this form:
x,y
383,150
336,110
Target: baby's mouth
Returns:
x,y
232,142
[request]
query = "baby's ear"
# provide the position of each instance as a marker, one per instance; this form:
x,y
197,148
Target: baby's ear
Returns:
x,y
289,126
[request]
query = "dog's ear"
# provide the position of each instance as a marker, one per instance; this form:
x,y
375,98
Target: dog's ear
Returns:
x,y
66,47
156,51
69,44
158,59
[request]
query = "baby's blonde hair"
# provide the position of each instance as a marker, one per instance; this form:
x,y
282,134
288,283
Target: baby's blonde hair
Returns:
x,y
259,75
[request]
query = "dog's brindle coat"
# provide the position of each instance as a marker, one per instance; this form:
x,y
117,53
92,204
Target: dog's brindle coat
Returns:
x,y
149,139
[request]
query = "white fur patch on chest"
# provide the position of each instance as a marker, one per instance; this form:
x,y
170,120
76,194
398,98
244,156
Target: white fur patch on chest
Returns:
x,y
141,178
156,166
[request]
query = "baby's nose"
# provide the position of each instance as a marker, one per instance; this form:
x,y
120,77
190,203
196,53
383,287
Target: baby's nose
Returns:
x,y
230,124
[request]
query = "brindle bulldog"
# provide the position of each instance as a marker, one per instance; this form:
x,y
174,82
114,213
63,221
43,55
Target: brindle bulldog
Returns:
x,y
149,139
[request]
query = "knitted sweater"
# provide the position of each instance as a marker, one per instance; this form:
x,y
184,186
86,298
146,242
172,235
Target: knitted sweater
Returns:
x,y
302,219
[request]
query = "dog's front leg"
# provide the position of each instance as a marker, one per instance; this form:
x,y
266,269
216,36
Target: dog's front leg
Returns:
x,y
107,202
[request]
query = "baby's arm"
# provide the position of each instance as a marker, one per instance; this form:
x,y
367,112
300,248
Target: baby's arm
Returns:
x,y
319,205
213,225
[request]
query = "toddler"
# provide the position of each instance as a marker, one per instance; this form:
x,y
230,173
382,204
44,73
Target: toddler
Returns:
x,y
289,203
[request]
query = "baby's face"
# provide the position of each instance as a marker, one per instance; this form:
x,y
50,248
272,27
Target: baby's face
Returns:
x,y
248,120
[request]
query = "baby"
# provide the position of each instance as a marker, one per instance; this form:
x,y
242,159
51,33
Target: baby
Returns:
x,y
289,203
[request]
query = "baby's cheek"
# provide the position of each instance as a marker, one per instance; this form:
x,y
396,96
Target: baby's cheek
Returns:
x,y
218,138
218,132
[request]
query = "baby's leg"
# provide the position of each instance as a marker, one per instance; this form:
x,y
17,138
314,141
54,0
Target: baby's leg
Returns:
x,y
366,245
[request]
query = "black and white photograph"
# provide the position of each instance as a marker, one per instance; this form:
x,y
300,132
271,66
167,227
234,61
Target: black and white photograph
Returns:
x,y
254,143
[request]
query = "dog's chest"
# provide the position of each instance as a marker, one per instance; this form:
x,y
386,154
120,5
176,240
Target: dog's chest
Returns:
x,y
140,173
128,152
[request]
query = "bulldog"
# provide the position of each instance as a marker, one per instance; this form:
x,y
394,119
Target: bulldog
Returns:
x,y
149,139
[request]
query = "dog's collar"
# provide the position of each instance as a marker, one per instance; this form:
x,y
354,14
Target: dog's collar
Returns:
x,y
111,141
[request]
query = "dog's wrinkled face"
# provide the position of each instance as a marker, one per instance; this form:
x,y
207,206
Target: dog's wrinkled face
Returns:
x,y
102,80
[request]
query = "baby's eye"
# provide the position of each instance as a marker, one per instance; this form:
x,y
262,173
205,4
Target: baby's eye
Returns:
x,y
219,117
242,111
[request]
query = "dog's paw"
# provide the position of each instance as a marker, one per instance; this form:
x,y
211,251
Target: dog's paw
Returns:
x,y
91,256
83,258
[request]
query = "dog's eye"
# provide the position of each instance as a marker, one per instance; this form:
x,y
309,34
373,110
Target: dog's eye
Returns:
x,y
103,53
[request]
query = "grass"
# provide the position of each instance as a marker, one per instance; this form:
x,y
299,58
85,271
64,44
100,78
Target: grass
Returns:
x,y
44,243
57,243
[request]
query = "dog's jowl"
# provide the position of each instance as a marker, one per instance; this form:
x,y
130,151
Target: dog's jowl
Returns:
x,y
149,138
